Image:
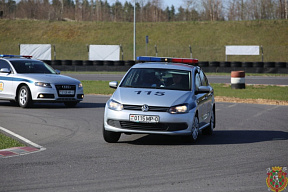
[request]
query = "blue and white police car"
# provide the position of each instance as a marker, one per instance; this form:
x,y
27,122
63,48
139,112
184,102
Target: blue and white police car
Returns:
x,y
25,81
169,96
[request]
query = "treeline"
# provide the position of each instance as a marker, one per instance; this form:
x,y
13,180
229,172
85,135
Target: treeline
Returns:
x,y
146,10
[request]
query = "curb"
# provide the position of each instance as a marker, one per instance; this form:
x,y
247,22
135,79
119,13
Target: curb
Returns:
x,y
16,151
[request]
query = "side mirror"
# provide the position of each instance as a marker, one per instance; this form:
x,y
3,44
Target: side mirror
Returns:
x,y
57,71
203,89
5,70
113,84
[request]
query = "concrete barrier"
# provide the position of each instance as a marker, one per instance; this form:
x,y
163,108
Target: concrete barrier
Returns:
x,y
238,79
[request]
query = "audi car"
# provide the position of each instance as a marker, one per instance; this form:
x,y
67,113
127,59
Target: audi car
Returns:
x,y
168,96
25,81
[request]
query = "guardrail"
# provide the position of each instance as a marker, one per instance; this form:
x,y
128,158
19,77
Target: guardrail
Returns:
x,y
207,66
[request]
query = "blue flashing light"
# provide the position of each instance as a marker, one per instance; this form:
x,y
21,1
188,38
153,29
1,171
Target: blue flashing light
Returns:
x,y
17,56
167,59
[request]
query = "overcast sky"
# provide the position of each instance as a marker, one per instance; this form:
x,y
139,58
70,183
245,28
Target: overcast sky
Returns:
x,y
176,3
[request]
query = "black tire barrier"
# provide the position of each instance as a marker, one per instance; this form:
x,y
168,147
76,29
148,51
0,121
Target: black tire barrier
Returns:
x,y
225,64
87,63
56,62
66,62
236,64
108,63
247,64
203,64
214,64
77,62
119,63
49,62
238,79
129,63
269,65
258,64
98,63
280,64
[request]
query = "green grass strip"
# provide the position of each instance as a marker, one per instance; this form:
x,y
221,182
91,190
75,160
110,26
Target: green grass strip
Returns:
x,y
251,91
7,142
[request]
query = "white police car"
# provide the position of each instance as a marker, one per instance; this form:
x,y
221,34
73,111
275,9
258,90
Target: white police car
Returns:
x,y
163,96
27,80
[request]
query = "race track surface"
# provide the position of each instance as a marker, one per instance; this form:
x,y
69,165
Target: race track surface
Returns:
x,y
248,139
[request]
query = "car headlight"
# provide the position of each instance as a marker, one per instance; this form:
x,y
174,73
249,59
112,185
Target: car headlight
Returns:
x,y
42,84
179,109
80,85
115,105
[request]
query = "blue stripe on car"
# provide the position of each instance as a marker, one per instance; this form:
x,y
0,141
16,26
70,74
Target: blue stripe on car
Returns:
x,y
15,79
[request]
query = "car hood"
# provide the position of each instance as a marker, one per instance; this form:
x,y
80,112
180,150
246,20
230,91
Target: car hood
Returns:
x,y
153,97
49,78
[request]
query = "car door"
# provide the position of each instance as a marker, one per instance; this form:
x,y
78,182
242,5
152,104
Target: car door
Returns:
x,y
200,100
6,81
207,98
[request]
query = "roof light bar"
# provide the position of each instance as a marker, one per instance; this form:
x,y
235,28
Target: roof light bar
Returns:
x,y
167,59
17,56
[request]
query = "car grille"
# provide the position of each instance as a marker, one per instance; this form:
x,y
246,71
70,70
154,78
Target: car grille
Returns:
x,y
147,126
151,108
66,87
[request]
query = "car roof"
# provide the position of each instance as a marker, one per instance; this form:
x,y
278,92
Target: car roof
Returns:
x,y
165,65
18,59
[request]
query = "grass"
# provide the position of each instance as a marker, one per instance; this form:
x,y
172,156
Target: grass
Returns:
x,y
207,39
7,142
251,91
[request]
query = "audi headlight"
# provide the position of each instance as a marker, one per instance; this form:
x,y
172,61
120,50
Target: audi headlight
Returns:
x,y
80,85
42,84
115,105
179,109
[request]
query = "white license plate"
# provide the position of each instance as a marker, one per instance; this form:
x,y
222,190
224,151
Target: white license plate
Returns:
x,y
66,92
145,118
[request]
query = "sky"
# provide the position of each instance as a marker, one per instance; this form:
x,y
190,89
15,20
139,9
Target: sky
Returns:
x,y
176,3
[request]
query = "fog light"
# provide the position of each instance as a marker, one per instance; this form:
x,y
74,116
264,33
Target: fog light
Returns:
x,y
41,95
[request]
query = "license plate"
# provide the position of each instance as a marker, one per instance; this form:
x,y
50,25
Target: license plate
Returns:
x,y
66,92
145,118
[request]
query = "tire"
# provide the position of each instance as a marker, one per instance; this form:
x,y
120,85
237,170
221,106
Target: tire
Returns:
x,y
111,137
24,97
209,130
203,64
194,132
71,103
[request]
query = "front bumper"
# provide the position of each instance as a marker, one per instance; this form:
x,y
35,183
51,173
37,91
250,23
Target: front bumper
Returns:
x,y
169,124
40,94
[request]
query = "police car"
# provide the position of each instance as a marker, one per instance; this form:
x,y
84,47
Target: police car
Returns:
x,y
25,81
169,96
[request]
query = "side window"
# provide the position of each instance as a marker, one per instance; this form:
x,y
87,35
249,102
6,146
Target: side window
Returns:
x,y
204,80
4,64
197,81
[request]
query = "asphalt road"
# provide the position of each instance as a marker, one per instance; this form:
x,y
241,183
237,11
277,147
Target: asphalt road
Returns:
x,y
212,79
248,139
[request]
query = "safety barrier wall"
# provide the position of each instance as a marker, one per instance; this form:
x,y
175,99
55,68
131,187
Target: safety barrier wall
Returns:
x,y
207,66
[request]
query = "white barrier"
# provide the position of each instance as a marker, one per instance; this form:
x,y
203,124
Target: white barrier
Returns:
x,y
37,51
104,52
242,50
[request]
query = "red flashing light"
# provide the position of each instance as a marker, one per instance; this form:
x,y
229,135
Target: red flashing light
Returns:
x,y
184,60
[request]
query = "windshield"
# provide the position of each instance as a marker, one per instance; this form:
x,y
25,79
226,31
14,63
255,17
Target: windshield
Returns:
x,y
31,66
158,79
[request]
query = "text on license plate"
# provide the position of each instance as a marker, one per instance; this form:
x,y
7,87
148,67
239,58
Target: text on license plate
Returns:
x,y
66,92
145,118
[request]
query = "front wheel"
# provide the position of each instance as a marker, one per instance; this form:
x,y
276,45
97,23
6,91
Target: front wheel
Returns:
x,y
111,137
194,131
209,130
24,97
